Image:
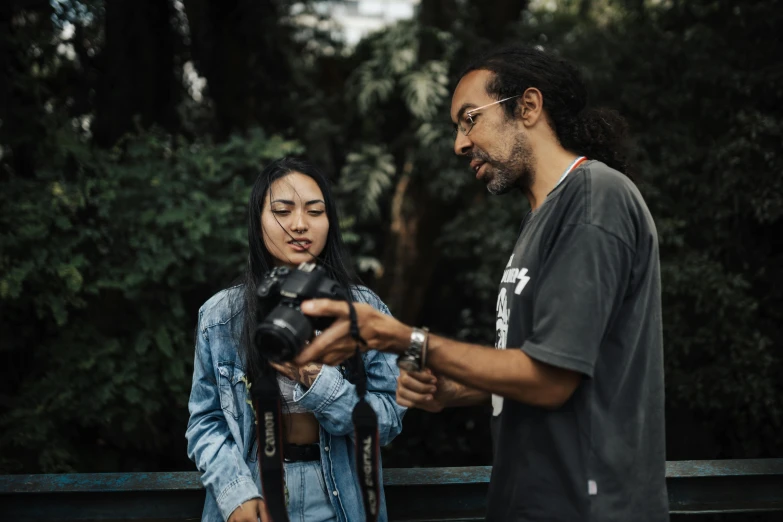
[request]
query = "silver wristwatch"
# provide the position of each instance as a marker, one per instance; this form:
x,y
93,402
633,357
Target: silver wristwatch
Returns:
x,y
414,358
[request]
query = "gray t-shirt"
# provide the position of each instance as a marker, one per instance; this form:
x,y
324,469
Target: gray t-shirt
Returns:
x,y
582,291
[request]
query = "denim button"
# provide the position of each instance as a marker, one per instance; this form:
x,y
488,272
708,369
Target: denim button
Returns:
x,y
335,492
326,448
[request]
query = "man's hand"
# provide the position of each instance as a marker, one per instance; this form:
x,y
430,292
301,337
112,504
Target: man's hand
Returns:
x,y
426,391
381,332
251,511
304,375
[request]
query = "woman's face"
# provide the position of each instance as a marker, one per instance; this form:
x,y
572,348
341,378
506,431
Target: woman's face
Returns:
x,y
293,220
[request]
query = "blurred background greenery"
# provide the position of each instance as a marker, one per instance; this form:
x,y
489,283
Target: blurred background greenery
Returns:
x,y
131,131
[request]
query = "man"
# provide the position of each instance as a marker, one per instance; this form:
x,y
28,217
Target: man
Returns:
x,y
577,374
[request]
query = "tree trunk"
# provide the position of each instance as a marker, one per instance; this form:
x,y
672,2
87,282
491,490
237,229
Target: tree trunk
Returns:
x,y
239,47
495,18
585,6
410,256
418,216
138,79
21,96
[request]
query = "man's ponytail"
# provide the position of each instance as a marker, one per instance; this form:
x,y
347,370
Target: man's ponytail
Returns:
x,y
600,134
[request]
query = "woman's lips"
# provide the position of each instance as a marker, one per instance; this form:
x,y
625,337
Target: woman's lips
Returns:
x,y
300,246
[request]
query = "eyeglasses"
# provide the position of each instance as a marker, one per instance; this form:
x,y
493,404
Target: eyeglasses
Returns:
x,y
466,121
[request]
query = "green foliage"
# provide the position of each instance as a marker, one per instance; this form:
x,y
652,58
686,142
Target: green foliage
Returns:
x,y
393,71
106,255
365,177
402,102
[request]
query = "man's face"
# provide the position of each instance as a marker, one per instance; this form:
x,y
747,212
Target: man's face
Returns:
x,y
497,148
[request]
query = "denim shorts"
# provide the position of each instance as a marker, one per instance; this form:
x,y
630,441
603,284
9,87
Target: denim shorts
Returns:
x,y
308,500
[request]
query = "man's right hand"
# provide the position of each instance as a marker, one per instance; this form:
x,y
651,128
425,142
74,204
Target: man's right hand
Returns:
x,y
251,511
425,391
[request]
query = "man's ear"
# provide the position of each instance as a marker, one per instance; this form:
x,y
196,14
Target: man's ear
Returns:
x,y
530,106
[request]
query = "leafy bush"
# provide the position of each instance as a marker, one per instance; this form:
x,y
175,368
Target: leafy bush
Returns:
x,y
106,256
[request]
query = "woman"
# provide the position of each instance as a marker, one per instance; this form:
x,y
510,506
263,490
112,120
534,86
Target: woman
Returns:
x,y
292,219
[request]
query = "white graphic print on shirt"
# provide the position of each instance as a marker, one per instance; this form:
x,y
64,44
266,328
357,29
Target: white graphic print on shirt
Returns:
x,y
515,275
501,333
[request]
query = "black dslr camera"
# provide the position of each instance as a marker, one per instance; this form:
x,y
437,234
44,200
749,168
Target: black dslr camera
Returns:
x,y
282,329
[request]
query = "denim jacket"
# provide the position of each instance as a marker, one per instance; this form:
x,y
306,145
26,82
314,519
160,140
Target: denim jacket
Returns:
x,y
221,433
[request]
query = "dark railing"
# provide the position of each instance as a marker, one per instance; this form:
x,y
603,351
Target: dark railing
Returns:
x,y
413,494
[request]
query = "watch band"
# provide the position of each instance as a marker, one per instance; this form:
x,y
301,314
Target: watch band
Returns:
x,y
415,356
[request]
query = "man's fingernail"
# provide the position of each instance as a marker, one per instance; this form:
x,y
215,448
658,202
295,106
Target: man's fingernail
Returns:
x,y
307,306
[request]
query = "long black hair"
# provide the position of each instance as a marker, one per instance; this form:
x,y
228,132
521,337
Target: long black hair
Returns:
x,y
597,133
334,257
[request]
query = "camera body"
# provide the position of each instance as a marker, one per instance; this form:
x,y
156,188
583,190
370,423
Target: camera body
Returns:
x,y
282,330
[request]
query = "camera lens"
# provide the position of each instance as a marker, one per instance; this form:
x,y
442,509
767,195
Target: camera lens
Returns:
x,y
282,334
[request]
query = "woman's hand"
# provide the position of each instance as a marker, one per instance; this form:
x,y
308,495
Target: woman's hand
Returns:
x,y
304,375
251,511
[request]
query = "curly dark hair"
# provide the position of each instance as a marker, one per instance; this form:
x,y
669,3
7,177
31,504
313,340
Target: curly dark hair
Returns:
x,y
597,133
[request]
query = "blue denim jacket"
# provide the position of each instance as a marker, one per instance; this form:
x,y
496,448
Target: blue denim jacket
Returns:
x,y
221,433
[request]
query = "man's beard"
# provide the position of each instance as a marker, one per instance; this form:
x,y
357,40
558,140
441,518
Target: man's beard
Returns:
x,y
514,172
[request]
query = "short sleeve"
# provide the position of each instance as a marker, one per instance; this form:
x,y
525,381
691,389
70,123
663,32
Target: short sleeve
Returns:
x,y
582,282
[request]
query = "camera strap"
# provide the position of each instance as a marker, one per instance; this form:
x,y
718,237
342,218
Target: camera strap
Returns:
x,y
365,423
269,434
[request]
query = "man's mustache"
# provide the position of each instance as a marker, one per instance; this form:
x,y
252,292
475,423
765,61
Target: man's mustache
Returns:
x,y
479,155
